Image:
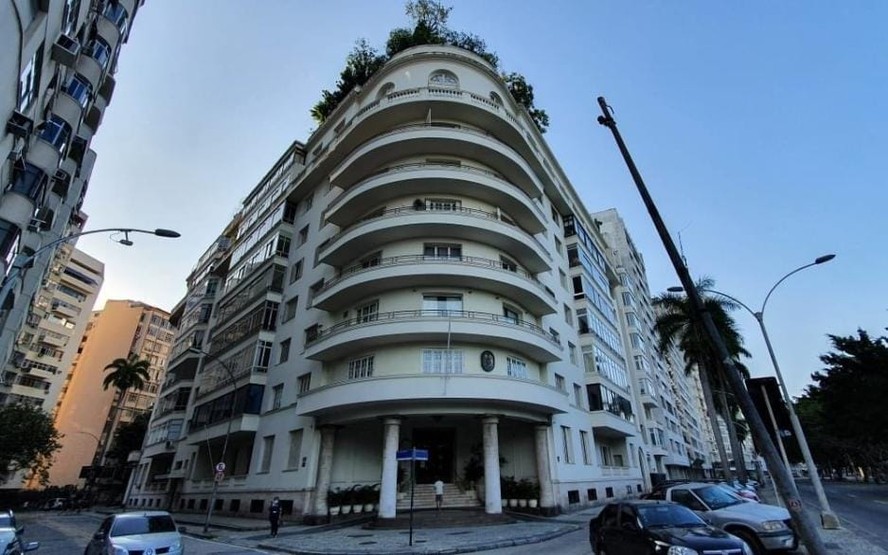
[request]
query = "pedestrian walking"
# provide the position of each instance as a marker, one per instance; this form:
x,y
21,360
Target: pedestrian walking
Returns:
x,y
439,494
274,516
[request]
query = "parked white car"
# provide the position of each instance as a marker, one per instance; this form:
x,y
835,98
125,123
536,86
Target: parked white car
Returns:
x,y
149,533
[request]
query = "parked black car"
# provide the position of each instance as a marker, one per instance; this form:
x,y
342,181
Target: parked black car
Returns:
x,y
646,527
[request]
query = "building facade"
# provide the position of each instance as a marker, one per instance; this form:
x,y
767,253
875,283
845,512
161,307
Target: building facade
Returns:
x,y
672,443
57,64
87,414
400,280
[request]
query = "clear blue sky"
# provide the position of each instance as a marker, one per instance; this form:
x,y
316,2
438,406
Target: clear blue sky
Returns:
x,y
759,128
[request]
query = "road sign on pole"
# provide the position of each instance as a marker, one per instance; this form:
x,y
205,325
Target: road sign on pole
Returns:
x,y
413,455
220,476
220,467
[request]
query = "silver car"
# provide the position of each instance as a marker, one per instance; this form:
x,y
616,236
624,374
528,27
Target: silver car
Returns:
x,y
11,536
146,533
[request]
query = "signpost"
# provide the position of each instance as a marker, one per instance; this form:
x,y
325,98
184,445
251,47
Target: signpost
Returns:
x,y
412,455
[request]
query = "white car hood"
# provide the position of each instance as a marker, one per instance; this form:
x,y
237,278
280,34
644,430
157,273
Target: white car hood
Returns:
x,y
142,541
758,511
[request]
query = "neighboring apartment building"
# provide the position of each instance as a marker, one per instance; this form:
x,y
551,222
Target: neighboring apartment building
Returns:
x,y
672,442
400,280
87,417
57,60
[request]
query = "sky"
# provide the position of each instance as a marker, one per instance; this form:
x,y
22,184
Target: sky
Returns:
x,y
759,128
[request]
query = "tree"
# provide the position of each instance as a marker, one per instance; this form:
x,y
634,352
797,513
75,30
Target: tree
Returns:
x,y
676,323
126,373
28,440
843,411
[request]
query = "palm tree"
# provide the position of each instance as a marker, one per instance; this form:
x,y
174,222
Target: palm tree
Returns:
x,y
127,373
677,324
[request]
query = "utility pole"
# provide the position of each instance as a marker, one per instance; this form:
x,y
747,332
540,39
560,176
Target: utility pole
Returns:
x,y
785,484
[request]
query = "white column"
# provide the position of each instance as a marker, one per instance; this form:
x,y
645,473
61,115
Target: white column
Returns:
x,y
492,495
541,440
325,470
388,492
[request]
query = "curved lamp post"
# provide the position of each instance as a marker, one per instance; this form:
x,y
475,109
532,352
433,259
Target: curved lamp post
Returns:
x,y
15,272
231,377
828,519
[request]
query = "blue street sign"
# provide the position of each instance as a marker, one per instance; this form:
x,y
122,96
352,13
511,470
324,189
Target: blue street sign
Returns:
x,y
413,455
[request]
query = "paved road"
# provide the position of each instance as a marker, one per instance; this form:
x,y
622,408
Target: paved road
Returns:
x,y
68,534
862,508
575,543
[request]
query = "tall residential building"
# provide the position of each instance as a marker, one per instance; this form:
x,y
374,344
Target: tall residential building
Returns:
x,y
401,279
87,415
671,442
57,64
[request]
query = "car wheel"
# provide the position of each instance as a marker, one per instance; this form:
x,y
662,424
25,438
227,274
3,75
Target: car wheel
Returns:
x,y
751,540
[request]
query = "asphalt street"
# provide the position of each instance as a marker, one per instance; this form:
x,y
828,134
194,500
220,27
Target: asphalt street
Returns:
x,y
68,534
862,508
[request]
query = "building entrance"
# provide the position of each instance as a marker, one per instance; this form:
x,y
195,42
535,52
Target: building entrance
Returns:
x,y
440,443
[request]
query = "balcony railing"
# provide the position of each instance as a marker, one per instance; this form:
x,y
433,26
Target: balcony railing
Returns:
x,y
413,211
452,315
412,259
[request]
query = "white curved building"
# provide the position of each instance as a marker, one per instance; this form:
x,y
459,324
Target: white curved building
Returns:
x,y
401,280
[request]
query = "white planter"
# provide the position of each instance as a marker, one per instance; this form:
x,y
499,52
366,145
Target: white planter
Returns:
x,y
357,508
334,511
522,503
346,509
505,502
513,502
532,503
368,507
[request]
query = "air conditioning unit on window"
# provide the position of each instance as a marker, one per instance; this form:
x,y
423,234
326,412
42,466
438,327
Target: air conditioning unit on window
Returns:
x,y
19,125
65,50
61,182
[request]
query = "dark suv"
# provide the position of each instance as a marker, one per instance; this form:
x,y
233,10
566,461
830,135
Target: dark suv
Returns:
x,y
658,528
11,536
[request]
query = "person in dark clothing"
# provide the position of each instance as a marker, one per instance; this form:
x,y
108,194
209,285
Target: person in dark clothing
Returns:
x,y
274,516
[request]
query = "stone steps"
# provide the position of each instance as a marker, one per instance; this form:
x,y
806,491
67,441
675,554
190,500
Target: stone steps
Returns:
x,y
424,498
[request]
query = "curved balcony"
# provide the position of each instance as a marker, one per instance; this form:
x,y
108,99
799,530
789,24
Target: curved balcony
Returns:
x,y
398,272
605,424
420,140
44,155
463,223
68,109
418,393
242,425
429,178
90,69
433,326
108,31
16,208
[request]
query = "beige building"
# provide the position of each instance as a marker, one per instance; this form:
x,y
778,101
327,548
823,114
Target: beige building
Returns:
x,y
57,64
86,415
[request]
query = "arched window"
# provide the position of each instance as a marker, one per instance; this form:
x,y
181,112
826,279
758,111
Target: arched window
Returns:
x,y
385,90
496,98
443,78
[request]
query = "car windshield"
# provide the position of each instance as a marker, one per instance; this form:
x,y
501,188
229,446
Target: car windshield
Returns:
x,y
668,515
133,525
716,497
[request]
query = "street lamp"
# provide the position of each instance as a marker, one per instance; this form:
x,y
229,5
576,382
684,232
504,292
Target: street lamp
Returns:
x,y
92,465
203,353
16,271
828,519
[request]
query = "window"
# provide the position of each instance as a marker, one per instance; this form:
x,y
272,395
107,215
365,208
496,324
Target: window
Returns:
x,y
295,449
442,305
568,316
496,98
9,239
263,355
385,90
117,15
360,368
28,180
442,204
584,445
372,260
267,450
56,132
307,202
516,367
283,246
511,315
567,443
296,271
303,236
29,80
367,313
605,452
312,333
442,250
559,382
290,308
508,264
99,50
284,352
277,393
572,351
562,277
558,246
442,361
303,384
444,78
79,89
578,395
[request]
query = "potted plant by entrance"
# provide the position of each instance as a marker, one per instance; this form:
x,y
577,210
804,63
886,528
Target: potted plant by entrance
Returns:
x,y
369,496
533,501
523,494
355,498
334,501
508,487
346,501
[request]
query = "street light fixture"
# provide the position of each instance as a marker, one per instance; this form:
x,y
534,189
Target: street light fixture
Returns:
x,y
231,376
17,269
828,519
